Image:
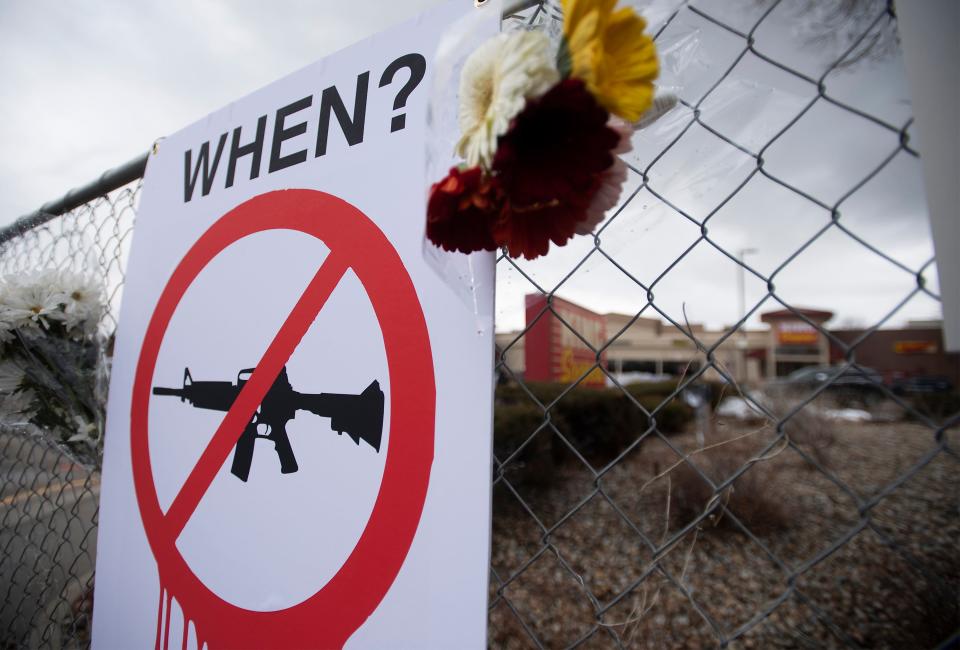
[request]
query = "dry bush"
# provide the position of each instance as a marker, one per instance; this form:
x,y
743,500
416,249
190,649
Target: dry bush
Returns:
x,y
756,498
811,432
808,428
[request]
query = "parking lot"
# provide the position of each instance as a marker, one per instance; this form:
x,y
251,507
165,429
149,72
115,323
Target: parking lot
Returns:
x,y
48,507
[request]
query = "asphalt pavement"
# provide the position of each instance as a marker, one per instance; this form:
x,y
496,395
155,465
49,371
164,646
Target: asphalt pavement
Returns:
x,y
48,509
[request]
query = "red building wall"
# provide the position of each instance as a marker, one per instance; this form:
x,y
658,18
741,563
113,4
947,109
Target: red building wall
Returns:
x,y
553,352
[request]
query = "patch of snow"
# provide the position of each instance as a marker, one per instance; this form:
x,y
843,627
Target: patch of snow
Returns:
x,y
847,415
739,408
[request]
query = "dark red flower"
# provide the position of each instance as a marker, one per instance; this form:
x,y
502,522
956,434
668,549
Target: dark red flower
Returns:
x,y
549,165
462,209
528,230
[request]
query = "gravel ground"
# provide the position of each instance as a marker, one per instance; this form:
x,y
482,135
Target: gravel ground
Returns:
x,y
853,540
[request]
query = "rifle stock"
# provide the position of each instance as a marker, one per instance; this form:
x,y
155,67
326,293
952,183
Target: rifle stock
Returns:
x,y
359,416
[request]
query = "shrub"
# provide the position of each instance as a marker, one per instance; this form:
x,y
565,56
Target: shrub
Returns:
x,y
599,423
513,424
752,498
514,393
810,431
652,388
672,417
936,406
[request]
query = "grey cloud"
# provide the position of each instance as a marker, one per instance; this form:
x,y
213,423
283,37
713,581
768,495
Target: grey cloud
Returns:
x,y
89,85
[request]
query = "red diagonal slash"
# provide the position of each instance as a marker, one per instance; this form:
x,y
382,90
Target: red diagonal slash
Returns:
x,y
251,395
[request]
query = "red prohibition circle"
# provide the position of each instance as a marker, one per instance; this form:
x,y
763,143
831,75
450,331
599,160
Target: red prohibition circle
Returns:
x,y
331,615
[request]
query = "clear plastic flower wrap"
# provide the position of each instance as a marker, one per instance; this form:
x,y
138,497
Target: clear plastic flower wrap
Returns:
x,y
492,170
53,377
457,271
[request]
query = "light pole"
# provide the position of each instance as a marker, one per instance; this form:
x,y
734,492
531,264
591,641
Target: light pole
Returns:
x,y
741,312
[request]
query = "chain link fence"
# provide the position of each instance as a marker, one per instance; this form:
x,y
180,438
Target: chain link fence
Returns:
x,y
48,497
782,528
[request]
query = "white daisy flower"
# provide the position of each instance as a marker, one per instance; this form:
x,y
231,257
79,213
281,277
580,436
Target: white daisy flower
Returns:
x,y
6,323
10,376
83,306
34,299
17,408
496,81
84,431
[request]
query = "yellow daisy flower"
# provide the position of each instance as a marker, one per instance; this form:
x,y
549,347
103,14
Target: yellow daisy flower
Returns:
x,y
610,53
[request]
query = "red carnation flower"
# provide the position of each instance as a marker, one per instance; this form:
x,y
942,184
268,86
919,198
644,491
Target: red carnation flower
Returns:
x,y
549,165
461,211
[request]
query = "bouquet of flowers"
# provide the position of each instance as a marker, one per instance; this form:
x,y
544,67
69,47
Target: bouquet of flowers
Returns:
x,y
52,363
542,127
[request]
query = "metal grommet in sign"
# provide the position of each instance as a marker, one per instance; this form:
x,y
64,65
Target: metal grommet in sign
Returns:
x,y
479,3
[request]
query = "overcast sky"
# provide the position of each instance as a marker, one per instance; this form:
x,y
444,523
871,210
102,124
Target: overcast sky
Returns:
x,y
89,85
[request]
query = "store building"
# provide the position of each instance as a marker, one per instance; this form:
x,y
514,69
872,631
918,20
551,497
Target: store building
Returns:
x,y
555,346
915,352
562,342
794,342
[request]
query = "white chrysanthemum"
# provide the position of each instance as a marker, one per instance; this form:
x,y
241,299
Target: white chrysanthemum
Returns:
x,y
10,376
83,302
496,81
6,323
33,299
84,431
17,408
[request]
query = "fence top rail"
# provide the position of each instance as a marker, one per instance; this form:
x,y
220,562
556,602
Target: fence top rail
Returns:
x,y
108,181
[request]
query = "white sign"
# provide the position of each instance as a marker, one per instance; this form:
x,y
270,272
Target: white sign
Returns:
x,y
298,434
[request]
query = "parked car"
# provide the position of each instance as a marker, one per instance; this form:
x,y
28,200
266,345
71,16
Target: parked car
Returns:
x,y
852,382
921,384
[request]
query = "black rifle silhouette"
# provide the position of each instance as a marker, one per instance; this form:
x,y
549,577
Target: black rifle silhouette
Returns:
x,y
359,416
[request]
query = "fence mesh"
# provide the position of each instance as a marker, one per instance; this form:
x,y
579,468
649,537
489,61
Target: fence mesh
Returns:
x,y
48,497
786,528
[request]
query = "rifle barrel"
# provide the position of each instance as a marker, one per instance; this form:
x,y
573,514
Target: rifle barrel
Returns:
x,y
176,392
